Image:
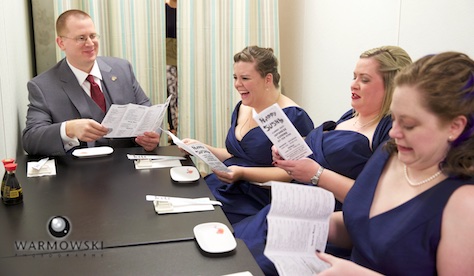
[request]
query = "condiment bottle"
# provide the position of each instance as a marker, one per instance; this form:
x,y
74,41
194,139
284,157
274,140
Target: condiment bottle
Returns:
x,y
5,161
12,193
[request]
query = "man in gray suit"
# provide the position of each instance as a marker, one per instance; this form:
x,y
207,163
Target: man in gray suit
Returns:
x,y
61,114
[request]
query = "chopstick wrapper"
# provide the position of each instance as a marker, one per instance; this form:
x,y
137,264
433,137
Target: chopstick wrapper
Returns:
x,y
153,164
170,207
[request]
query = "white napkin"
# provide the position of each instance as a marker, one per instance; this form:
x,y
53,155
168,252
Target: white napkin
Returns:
x,y
49,168
153,164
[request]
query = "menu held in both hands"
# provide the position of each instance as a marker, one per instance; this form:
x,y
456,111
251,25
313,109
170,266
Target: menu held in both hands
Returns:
x,y
283,134
200,151
132,120
298,224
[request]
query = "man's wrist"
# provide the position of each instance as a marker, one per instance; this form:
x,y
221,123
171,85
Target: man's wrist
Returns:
x,y
68,142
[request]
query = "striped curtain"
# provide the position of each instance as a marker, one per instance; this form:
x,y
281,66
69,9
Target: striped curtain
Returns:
x,y
210,32
133,30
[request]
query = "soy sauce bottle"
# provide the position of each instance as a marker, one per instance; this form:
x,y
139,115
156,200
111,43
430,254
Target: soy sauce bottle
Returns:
x,y
12,193
5,161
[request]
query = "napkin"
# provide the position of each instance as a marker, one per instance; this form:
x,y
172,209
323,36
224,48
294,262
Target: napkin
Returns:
x,y
152,164
172,206
49,168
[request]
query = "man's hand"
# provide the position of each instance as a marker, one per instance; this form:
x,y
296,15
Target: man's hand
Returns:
x,y
149,140
86,130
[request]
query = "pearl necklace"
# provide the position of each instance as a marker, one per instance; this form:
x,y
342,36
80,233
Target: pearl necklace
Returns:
x,y
421,182
364,125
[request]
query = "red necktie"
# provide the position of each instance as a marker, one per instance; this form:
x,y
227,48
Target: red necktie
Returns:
x,y
96,94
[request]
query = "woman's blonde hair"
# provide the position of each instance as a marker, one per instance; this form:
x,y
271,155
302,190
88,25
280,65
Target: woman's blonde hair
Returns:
x,y
391,60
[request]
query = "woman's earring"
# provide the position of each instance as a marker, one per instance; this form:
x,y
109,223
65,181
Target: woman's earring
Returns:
x,y
450,138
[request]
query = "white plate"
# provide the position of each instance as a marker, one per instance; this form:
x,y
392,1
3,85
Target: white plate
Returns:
x,y
184,174
92,152
214,237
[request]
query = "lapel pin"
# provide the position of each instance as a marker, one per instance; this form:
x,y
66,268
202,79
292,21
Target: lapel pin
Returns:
x,y
114,78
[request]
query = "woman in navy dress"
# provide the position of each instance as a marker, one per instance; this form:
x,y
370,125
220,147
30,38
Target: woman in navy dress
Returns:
x,y
248,150
341,147
410,210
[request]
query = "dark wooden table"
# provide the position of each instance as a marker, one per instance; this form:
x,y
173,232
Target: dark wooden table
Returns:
x,y
103,198
173,258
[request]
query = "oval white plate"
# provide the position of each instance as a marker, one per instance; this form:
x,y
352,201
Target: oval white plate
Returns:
x,y
214,237
184,174
92,152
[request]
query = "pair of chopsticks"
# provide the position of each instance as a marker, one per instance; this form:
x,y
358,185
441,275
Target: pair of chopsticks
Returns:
x,y
153,157
181,201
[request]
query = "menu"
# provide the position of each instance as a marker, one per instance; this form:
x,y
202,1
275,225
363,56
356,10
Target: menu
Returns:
x,y
283,134
298,224
200,151
132,120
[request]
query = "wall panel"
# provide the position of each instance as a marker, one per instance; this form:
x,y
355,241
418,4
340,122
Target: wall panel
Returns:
x,y
332,36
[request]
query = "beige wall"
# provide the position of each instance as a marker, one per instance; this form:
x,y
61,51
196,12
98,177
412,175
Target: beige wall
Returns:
x,y
320,43
322,39
15,71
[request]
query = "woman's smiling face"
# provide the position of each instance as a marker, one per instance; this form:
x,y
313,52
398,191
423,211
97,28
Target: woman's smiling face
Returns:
x,y
249,83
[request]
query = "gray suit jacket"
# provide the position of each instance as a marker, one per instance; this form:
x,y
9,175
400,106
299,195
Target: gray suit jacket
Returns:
x,y
55,96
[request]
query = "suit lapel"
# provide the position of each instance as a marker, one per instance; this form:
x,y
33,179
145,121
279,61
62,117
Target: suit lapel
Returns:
x,y
74,91
108,81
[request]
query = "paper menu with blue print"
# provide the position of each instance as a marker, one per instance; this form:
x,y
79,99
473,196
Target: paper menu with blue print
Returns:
x,y
200,151
283,134
298,225
132,120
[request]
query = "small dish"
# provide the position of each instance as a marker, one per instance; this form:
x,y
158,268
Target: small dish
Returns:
x,y
184,174
92,152
214,237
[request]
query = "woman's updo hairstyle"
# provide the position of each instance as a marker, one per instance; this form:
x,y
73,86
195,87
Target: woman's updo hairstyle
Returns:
x,y
265,61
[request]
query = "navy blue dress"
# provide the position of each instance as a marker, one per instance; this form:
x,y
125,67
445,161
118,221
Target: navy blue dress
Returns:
x,y
243,199
344,152
401,241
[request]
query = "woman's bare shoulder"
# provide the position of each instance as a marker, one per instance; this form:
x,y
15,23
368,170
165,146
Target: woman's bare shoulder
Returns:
x,y
284,102
462,200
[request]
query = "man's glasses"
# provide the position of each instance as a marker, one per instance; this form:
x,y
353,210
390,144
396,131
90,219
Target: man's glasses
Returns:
x,y
82,39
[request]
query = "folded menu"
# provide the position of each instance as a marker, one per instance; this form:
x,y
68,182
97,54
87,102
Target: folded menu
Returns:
x,y
132,120
283,134
298,224
202,152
